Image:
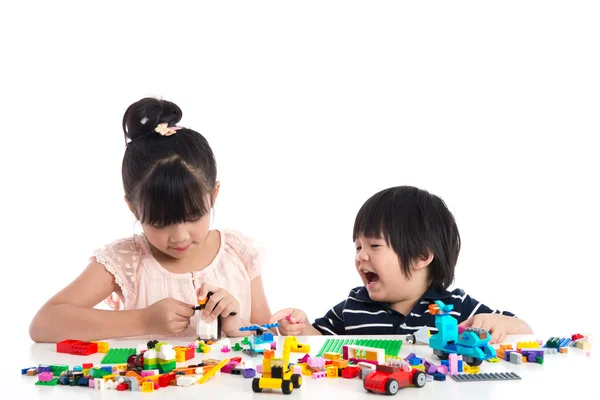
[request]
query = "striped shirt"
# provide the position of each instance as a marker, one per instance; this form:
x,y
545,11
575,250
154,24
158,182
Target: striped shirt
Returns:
x,y
359,315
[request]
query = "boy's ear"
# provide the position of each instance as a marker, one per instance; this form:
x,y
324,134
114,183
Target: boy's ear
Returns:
x,y
422,261
130,206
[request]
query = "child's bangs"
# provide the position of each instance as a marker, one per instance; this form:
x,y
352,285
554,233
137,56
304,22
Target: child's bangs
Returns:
x,y
371,222
172,194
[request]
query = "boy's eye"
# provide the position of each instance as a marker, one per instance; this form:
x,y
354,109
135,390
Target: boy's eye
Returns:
x,y
375,246
359,248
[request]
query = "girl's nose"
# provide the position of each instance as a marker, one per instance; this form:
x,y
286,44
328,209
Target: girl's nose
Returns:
x,y
179,234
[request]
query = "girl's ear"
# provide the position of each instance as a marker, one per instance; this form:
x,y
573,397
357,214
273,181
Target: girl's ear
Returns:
x,y
422,261
215,193
130,206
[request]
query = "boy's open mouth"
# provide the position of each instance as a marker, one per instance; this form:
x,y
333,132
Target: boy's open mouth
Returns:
x,y
371,277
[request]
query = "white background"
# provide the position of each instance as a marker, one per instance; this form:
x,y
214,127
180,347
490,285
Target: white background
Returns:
x,y
311,107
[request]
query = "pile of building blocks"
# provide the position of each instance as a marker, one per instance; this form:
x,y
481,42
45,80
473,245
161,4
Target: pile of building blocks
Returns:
x,y
153,368
259,342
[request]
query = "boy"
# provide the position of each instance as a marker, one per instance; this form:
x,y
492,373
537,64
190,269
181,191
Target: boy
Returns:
x,y
407,245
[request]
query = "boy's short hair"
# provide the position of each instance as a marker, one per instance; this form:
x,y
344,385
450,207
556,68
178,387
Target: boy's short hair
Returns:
x,y
413,222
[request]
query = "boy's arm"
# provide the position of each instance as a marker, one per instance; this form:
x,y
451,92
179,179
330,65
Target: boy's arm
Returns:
x,y
479,315
332,323
70,313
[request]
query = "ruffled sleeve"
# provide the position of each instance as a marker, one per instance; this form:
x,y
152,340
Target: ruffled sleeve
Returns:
x,y
122,259
248,250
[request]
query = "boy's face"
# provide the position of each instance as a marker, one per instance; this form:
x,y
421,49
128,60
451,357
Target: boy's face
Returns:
x,y
379,268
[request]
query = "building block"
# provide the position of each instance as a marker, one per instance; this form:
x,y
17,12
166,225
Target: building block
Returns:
x,y
148,387
350,372
332,371
52,382
391,347
564,350
453,359
495,376
45,376
440,377
118,356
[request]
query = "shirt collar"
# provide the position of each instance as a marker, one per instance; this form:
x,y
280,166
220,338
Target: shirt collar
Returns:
x,y
433,293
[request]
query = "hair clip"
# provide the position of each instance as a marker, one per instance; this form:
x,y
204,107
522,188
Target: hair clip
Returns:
x,y
165,130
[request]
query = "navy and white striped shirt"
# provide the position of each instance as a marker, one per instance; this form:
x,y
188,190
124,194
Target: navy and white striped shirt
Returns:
x,y
359,315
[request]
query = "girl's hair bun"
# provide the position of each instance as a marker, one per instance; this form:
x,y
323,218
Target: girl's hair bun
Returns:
x,y
143,116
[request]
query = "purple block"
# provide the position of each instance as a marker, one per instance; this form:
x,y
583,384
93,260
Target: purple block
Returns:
x,y
408,357
43,368
248,373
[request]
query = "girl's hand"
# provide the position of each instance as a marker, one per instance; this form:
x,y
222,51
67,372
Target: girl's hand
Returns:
x,y
493,323
167,316
291,321
221,302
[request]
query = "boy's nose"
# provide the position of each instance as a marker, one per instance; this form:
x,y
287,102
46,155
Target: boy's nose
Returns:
x,y
362,256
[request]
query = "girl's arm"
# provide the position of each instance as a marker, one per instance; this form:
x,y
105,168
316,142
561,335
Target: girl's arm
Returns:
x,y
260,311
70,313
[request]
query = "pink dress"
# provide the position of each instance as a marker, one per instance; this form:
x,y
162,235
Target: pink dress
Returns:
x,y
143,281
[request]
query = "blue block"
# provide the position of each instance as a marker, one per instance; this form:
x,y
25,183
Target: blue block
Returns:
x,y
106,368
24,370
267,337
77,368
414,361
460,366
439,377
446,363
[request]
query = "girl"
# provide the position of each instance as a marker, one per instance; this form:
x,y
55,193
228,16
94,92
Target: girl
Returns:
x,y
154,280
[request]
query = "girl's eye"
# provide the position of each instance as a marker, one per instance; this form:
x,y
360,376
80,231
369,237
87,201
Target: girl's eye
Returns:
x,y
375,246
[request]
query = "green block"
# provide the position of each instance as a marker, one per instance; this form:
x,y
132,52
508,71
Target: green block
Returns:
x,y
237,347
53,382
539,359
167,367
57,369
391,347
118,355
98,373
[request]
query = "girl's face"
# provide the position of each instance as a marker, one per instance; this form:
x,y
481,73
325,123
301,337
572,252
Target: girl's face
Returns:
x,y
179,240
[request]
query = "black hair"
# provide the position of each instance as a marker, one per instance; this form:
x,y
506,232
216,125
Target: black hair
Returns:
x,y
166,178
414,223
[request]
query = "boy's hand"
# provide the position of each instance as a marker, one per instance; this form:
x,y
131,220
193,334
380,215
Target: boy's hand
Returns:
x,y
493,323
168,316
291,321
221,302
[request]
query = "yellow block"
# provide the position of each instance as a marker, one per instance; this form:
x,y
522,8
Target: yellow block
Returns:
x,y
271,383
493,359
109,377
148,387
421,367
332,356
332,371
213,371
527,345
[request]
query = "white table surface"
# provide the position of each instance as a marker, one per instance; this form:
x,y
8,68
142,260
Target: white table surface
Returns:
x,y
563,375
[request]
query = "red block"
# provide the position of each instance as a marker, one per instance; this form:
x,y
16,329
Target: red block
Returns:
x,y
84,348
87,366
122,387
350,372
66,346
165,379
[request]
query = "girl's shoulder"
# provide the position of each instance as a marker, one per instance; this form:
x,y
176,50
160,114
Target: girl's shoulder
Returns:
x,y
245,248
124,251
